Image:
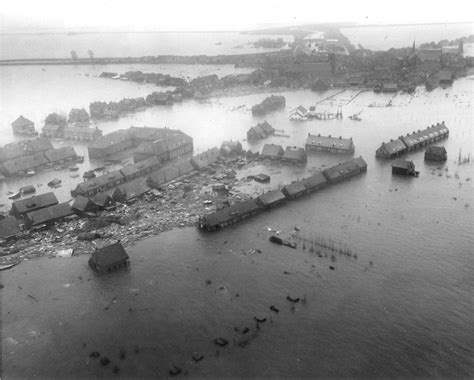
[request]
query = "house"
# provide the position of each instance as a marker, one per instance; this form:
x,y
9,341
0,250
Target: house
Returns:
x,y
9,228
102,200
315,143
59,155
295,190
229,215
37,202
404,167
133,189
38,145
48,215
166,144
207,158
102,183
299,113
391,149
272,151
23,164
81,133
271,199
262,178
82,205
109,259
315,182
436,153
23,127
260,131
445,77
231,147
345,170
294,155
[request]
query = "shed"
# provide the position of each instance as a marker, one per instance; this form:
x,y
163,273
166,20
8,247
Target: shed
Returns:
x,y
109,258
9,228
404,167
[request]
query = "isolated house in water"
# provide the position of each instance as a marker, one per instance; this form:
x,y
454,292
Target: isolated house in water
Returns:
x,y
23,127
109,259
404,167
436,153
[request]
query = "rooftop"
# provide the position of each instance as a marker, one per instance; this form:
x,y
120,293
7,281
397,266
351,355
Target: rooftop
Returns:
x,y
329,142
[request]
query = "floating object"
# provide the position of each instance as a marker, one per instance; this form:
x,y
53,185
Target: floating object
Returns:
x,y
294,300
89,174
28,189
174,371
331,267
260,320
220,341
273,308
278,240
94,354
74,168
55,182
30,173
8,266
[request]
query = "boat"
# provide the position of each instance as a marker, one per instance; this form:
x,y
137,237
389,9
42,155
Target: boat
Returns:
x,y
8,266
73,168
27,189
54,183
74,175
15,195
30,173
89,174
355,117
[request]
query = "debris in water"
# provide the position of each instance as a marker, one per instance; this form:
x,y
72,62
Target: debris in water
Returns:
x,y
273,308
197,357
220,341
331,267
260,320
175,370
104,361
291,299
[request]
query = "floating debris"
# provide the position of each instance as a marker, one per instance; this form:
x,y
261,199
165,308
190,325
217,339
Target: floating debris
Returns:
x,y
104,361
220,341
197,357
291,299
94,354
260,320
175,370
273,308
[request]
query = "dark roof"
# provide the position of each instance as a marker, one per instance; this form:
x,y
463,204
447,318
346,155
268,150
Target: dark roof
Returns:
x,y
99,181
88,131
272,150
49,214
433,149
34,203
110,255
21,122
346,167
134,188
102,199
40,144
229,213
403,164
9,227
445,75
80,203
294,188
11,150
271,197
329,142
258,131
24,163
314,180
60,154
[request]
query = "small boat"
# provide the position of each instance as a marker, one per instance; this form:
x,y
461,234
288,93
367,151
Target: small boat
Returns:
x,y
89,174
15,195
220,341
74,175
99,169
277,240
54,183
73,168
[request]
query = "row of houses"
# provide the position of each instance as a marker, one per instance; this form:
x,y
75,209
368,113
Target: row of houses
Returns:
x,y
164,143
317,143
291,154
71,132
412,141
17,159
242,210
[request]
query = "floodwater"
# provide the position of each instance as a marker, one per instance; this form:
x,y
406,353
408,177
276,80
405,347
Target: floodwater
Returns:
x,y
129,44
402,308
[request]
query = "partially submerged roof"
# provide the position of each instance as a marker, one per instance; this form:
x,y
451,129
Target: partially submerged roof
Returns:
x,y
21,122
49,214
206,158
394,146
433,149
229,213
347,167
59,154
9,227
314,181
99,181
272,150
329,142
110,255
151,162
293,153
429,133
81,203
271,197
295,188
403,164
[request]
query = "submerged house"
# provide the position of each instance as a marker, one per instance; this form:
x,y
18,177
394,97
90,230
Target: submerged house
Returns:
x,y
9,228
229,215
272,151
260,131
23,127
271,199
109,259
391,149
404,167
48,215
436,153
294,155
345,170
426,136
315,143
315,182
295,190
202,160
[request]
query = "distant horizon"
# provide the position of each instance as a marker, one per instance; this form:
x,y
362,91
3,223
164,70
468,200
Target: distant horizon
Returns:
x,y
254,28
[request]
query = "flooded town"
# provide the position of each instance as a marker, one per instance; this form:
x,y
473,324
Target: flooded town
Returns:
x,y
281,201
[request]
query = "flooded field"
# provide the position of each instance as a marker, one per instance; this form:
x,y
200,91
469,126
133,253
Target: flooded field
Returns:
x,y
402,307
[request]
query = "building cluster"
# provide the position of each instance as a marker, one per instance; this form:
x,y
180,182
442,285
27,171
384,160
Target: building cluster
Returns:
x,y
164,143
76,127
412,141
23,157
230,215
260,131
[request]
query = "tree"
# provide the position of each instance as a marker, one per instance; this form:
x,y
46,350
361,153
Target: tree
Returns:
x,y
74,55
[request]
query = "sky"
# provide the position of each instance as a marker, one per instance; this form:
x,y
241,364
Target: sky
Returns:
x,y
204,15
